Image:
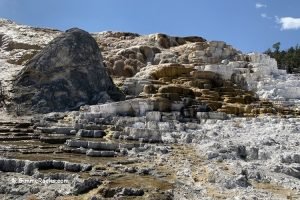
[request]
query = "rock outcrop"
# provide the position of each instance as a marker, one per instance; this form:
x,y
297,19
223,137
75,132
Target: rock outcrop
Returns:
x,y
66,74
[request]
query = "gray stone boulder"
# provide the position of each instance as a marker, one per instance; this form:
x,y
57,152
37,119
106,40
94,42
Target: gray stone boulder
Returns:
x,y
94,153
107,146
66,74
103,146
212,115
77,143
290,170
147,135
91,133
83,186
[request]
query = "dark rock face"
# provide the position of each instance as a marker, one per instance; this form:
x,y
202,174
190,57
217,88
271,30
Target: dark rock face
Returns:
x,y
68,73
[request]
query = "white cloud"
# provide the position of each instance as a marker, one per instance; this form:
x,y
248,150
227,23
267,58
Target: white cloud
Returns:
x,y
265,16
260,5
288,23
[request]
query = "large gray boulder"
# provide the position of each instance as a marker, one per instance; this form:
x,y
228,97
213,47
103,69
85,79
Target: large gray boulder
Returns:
x,y
66,74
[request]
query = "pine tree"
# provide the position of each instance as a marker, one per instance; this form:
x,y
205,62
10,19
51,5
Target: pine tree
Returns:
x,y
286,59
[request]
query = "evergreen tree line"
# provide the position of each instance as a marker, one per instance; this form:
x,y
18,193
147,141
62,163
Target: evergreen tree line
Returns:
x,y
287,59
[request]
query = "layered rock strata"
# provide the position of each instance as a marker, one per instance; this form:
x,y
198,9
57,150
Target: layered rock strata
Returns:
x,y
176,136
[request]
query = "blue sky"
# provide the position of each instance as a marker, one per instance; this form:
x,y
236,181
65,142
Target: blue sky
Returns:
x,y
248,25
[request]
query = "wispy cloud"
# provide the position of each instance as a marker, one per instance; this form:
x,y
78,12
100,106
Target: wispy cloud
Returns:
x,y
260,5
288,23
265,16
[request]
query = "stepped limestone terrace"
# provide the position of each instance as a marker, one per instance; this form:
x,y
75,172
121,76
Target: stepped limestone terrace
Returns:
x,y
115,115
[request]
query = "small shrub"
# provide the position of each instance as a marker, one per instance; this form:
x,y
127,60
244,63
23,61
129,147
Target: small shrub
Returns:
x,y
129,71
